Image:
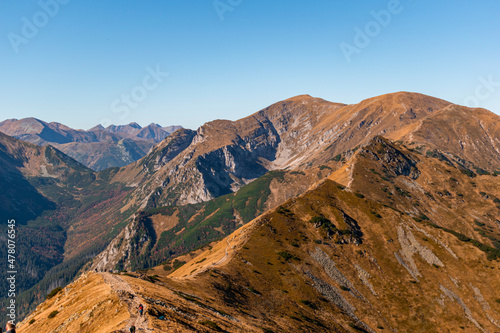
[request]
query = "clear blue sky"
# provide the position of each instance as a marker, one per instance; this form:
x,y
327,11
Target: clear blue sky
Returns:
x,y
83,57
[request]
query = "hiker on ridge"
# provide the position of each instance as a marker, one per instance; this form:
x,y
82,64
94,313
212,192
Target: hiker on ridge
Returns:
x,y
11,328
141,309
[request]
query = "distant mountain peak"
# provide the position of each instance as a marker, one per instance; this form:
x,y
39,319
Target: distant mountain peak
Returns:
x,y
135,125
172,129
409,97
96,128
129,128
300,98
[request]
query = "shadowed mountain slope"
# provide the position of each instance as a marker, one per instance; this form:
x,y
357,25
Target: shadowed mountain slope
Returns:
x,y
22,162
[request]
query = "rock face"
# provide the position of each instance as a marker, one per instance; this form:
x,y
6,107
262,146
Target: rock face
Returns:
x,y
129,244
167,150
98,148
395,162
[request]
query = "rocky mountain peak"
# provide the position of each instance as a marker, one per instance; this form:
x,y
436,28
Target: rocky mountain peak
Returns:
x,y
128,129
96,128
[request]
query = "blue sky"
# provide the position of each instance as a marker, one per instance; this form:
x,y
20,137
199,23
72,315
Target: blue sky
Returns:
x,y
87,62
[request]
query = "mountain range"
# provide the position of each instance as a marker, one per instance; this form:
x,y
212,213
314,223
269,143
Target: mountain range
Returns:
x,y
98,148
307,215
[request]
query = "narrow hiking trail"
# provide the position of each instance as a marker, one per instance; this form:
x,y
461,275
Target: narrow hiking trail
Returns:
x,y
237,239
128,295
215,264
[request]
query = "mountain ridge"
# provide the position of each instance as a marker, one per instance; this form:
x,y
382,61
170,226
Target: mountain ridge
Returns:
x,y
292,134
335,258
98,147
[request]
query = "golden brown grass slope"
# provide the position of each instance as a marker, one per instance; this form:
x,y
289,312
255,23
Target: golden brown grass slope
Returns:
x,y
86,305
471,134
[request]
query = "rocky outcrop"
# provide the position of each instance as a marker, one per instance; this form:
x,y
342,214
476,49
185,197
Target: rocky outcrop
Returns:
x,y
129,249
333,272
468,314
167,150
394,161
409,247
